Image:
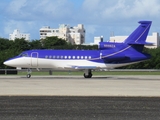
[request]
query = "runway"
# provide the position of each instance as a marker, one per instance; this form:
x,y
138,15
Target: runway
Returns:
x,y
76,98
79,108
144,86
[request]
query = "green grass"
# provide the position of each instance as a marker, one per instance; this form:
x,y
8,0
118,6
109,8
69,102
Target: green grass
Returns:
x,y
95,73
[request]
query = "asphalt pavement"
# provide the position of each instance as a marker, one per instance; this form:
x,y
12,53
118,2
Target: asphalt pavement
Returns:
x,y
79,108
76,98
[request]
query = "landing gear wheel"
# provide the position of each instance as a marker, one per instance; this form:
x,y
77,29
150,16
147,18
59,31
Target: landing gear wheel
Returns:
x,y
88,73
28,75
87,76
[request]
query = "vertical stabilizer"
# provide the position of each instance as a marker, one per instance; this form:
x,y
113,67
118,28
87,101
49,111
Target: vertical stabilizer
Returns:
x,y
139,35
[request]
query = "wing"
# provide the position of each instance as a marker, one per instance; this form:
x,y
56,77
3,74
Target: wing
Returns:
x,y
82,67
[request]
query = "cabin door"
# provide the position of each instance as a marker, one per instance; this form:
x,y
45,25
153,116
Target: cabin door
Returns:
x,y
34,59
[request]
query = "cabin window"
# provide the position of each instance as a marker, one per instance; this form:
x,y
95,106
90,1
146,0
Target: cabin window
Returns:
x,y
46,56
50,57
77,57
54,57
81,57
73,57
61,57
89,57
69,57
57,57
85,57
65,57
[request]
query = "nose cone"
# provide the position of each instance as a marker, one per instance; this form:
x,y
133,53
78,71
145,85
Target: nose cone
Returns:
x,y
9,63
17,62
5,63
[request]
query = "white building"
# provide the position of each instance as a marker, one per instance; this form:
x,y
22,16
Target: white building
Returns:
x,y
155,38
74,35
17,34
98,39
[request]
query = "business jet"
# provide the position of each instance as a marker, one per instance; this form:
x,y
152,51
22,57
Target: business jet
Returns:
x,y
109,55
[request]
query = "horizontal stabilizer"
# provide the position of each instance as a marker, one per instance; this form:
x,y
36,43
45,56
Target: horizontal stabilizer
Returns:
x,y
150,44
141,43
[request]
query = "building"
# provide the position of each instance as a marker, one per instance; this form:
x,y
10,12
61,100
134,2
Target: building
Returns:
x,y
74,35
155,39
98,39
17,34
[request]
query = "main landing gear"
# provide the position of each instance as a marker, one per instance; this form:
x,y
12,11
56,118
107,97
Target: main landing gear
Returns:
x,y
29,71
88,73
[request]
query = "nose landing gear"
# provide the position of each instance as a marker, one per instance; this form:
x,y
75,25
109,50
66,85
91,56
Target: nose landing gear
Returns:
x,y
29,71
28,75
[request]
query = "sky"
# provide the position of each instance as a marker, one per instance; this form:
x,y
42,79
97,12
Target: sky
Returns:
x,y
99,17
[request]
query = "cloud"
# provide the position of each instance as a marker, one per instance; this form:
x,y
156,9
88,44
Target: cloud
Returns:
x,y
141,8
38,10
99,17
16,6
10,25
116,10
90,31
31,15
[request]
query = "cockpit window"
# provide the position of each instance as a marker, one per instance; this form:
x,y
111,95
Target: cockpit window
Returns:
x,y
23,55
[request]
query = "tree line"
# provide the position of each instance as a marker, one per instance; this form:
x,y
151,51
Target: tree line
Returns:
x,y
10,48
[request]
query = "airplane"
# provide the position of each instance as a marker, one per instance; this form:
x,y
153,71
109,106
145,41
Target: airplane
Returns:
x,y
109,55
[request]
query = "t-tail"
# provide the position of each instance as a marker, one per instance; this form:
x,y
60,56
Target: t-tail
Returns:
x,y
137,38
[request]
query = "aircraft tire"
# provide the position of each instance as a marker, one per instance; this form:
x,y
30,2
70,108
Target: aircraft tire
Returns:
x,y
87,76
90,75
28,75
